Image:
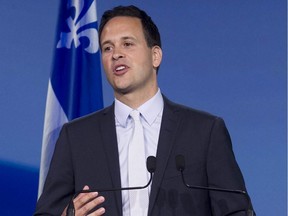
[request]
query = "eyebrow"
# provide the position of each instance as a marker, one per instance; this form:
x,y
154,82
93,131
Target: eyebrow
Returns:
x,y
122,38
106,42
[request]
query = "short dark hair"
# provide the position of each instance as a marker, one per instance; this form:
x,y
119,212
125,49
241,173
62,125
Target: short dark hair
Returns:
x,y
150,30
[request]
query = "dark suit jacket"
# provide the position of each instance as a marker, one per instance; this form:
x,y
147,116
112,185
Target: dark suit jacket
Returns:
x,y
86,154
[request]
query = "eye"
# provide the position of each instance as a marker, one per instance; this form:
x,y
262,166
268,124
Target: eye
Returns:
x,y
106,48
128,44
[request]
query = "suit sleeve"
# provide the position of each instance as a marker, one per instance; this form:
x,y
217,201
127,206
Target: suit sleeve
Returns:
x,y
224,172
58,187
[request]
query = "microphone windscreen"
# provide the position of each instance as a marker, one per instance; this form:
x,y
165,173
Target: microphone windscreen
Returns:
x,y
151,164
180,162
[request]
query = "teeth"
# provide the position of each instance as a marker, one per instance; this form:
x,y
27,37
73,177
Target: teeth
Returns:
x,y
120,68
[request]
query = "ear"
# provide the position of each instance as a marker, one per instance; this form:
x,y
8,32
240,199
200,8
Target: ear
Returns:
x,y
157,56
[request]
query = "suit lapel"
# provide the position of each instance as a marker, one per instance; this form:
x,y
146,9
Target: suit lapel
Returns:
x,y
170,123
108,132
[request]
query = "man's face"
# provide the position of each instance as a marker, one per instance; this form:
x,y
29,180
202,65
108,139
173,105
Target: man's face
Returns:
x,y
130,65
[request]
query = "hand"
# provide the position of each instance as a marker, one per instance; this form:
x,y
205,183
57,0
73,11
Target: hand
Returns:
x,y
85,202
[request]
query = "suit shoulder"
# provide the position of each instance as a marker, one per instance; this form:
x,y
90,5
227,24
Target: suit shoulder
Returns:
x,y
192,112
92,118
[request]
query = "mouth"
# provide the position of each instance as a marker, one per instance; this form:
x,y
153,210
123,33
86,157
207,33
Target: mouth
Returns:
x,y
120,69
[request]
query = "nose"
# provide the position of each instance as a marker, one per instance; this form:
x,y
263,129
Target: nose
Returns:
x,y
117,54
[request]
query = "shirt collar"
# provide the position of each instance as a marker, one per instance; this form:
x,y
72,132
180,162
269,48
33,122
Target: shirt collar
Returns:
x,y
149,110
122,112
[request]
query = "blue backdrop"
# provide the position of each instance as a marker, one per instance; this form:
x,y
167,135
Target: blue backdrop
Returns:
x,y
226,57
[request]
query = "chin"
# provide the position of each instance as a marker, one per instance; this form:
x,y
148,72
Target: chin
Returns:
x,y
123,91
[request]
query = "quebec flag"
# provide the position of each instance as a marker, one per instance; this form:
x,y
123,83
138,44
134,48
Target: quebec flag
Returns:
x,y
75,86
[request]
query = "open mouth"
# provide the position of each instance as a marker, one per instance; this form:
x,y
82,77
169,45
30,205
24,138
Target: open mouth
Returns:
x,y
120,69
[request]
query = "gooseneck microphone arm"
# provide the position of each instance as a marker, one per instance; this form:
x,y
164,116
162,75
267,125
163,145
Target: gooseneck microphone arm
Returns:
x,y
180,165
151,167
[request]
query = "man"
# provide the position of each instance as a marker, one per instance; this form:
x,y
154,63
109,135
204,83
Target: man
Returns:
x,y
93,151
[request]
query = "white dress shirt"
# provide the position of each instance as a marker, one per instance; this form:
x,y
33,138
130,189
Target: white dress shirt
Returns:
x,y
151,116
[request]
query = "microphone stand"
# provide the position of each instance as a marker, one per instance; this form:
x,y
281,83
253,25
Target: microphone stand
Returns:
x,y
151,166
180,164
250,212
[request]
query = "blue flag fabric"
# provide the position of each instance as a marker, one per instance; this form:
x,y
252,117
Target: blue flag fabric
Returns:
x,y
75,85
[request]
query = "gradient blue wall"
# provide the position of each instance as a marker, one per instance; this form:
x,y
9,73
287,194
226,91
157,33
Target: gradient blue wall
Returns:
x,y
225,57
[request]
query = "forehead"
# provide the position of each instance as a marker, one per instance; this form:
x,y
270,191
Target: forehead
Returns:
x,y
122,25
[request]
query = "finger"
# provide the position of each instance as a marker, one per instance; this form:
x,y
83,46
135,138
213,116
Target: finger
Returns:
x,y
92,204
84,198
98,212
86,187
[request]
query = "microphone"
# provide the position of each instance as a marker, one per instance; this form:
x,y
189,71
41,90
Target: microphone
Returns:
x,y
151,167
180,165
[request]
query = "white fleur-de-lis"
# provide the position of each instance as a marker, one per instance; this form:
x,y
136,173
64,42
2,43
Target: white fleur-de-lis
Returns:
x,y
67,38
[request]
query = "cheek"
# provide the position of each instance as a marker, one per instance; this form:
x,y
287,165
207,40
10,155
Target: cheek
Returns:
x,y
106,67
104,61
147,64
105,64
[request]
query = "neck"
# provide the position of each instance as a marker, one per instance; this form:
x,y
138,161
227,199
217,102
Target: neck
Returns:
x,y
135,100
